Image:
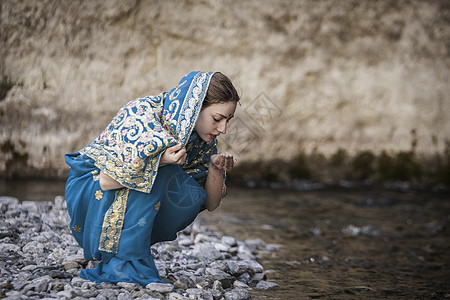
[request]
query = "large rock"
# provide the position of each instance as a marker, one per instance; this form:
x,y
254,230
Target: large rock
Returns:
x,y
357,74
162,288
207,252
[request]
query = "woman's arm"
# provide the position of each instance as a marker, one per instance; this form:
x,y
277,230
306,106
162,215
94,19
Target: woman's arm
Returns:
x,y
215,186
107,183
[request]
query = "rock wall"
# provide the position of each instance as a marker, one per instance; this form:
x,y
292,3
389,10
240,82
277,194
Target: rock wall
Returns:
x,y
314,75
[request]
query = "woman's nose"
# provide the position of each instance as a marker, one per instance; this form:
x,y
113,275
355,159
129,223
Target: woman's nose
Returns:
x,y
222,128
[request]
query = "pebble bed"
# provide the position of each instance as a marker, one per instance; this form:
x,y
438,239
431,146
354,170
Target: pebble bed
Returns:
x,y
40,259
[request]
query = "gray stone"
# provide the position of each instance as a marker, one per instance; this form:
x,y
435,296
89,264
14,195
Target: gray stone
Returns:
x,y
229,240
56,286
207,252
30,206
222,265
60,203
265,285
58,255
254,244
39,284
4,247
193,293
124,296
245,253
257,278
109,293
129,286
70,265
78,281
185,242
8,203
217,286
65,294
160,287
237,294
202,238
76,258
13,295
207,295
246,266
175,296
217,274
217,295
222,247
29,268
240,284
272,247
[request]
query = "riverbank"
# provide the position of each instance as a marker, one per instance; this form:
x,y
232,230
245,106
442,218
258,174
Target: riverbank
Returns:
x,y
41,259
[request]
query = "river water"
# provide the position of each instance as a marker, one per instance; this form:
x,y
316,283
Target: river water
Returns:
x,y
334,243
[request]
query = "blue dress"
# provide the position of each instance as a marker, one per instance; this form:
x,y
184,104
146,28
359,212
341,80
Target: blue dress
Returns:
x,y
118,227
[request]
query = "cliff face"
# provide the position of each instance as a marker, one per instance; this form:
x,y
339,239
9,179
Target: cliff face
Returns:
x,y
317,75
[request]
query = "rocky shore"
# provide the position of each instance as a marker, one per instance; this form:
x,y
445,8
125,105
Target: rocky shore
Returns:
x,y
40,259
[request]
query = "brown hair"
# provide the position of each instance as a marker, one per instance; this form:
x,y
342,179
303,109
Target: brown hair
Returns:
x,y
220,90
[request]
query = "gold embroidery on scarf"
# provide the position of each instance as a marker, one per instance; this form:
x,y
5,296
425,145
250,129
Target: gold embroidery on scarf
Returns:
x,y
95,175
76,228
189,107
113,223
98,195
157,205
132,163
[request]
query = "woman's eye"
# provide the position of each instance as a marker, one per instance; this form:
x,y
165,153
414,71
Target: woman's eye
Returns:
x,y
216,120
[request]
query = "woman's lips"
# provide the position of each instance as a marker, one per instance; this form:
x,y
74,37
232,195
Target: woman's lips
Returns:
x,y
212,136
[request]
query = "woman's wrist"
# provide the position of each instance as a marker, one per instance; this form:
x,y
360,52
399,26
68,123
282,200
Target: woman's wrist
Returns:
x,y
213,167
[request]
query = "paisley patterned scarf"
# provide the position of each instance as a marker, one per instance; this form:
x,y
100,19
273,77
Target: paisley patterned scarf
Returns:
x,y
130,148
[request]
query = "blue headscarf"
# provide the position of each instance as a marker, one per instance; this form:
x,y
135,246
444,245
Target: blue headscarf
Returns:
x,y
130,148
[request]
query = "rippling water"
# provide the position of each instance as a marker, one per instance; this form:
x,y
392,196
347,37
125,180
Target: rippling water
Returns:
x,y
334,243
345,244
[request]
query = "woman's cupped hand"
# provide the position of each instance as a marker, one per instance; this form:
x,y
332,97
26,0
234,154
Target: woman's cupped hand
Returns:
x,y
223,161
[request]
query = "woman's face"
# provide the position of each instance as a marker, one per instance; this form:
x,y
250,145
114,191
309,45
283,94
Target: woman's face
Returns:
x,y
213,120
